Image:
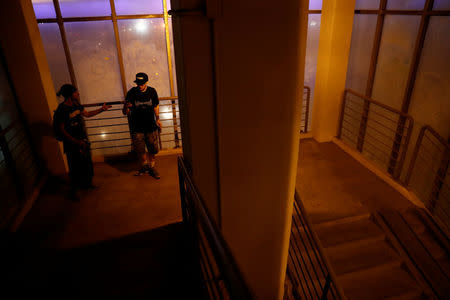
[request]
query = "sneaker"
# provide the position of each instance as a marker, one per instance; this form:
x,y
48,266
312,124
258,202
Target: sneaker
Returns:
x,y
141,171
153,172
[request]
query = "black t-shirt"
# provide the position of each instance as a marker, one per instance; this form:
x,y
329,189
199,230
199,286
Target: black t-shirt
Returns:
x,y
142,117
73,122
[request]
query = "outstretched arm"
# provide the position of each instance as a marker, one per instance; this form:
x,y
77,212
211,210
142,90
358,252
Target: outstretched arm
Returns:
x,y
92,113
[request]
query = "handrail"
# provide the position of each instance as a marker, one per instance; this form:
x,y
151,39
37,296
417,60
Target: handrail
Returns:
x,y
397,154
121,102
115,121
378,103
331,277
231,275
429,190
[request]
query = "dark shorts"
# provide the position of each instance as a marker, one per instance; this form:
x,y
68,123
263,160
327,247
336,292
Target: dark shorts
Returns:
x,y
149,139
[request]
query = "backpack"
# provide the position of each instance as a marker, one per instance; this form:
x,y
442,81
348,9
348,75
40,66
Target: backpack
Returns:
x,y
56,132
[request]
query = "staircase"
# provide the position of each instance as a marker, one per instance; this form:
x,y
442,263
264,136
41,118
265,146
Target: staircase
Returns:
x,y
369,260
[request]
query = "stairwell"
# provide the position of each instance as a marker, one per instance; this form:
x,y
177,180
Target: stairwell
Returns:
x,y
367,264
379,245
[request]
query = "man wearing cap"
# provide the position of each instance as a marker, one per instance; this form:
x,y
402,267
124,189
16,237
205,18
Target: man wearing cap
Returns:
x,y
70,129
142,107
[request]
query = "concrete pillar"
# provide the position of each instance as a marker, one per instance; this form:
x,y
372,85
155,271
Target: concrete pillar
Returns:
x,y
259,90
193,55
241,123
334,50
27,64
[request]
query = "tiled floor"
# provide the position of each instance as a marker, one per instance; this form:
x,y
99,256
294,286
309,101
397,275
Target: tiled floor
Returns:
x,y
121,205
333,185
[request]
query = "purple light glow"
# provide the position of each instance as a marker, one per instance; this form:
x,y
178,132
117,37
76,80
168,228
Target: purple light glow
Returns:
x,y
43,9
315,4
441,4
84,8
367,4
406,4
134,7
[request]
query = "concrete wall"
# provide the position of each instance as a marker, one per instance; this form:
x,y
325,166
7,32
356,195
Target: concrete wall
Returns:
x,y
258,50
193,54
27,64
334,50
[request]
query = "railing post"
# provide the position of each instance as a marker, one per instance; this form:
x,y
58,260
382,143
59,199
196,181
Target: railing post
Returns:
x,y
363,126
393,168
341,115
326,288
308,100
182,192
439,180
414,156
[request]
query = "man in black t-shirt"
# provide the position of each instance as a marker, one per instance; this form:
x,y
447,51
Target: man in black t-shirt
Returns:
x,y
142,107
69,123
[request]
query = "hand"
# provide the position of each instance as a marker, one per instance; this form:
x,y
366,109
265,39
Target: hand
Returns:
x,y
105,106
158,123
82,145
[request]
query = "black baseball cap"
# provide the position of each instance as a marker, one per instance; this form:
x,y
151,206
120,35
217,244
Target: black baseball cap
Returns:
x,y
141,78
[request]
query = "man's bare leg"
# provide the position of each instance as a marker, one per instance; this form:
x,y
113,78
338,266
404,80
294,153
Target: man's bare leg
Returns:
x,y
151,162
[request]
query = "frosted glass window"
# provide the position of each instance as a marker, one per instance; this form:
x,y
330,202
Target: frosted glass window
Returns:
x,y
406,4
94,56
430,100
363,34
44,9
138,7
394,60
144,50
367,4
441,4
54,51
84,8
315,4
312,49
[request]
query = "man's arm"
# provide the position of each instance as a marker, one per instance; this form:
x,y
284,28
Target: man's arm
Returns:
x,y
158,122
156,108
92,113
70,138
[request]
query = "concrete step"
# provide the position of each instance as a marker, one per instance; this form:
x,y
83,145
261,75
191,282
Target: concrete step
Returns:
x,y
416,251
344,232
414,220
432,245
444,264
361,254
378,283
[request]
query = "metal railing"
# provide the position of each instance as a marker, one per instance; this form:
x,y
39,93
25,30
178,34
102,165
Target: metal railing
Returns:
x,y
379,132
305,109
109,132
309,269
221,277
19,170
428,175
